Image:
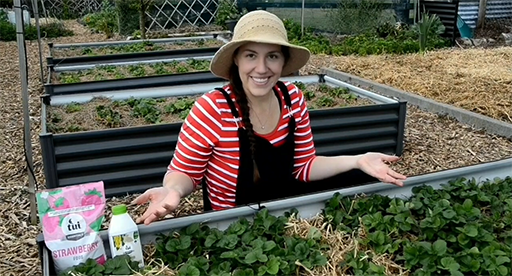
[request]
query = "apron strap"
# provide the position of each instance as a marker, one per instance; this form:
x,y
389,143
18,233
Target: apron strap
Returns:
x,y
286,95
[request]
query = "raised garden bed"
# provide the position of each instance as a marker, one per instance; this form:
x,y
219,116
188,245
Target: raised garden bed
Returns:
x,y
111,72
73,91
376,229
89,62
115,155
133,46
103,113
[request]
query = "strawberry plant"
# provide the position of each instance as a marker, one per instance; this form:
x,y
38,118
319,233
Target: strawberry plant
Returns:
x,y
260,247
119,265
182,107
145,108
462,229
108,116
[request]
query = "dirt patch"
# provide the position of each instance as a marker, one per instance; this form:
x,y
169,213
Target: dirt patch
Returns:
x,y
134,48
494,28
478,80
112,72
103,113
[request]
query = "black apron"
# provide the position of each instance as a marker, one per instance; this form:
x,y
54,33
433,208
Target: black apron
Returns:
x,y
275,165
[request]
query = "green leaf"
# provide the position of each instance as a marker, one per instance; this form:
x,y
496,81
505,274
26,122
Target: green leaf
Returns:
x,y
188,270
503,270
229,255
471,230
254,256
301,251
184,242
314,234
448,214
273,266
450,264
439,247
502,259
269,245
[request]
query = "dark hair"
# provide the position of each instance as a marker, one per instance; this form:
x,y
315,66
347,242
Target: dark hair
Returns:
x,y
241,100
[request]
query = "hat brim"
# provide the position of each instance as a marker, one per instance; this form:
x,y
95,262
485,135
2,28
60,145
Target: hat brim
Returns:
x,y
223,58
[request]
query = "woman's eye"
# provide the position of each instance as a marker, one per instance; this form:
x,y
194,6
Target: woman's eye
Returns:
x,y
273,56
250,55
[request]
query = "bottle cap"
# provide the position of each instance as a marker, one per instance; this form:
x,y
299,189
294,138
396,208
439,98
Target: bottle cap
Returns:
x,y
119,209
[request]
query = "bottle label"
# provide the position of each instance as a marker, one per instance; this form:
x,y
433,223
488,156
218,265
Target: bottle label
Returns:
x,y
128,243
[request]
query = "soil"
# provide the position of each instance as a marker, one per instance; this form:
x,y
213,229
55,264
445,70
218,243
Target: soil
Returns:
x,y
131,71
132,48
92,115
478,80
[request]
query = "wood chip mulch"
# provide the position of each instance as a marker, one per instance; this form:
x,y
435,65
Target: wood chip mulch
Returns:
x,y
479,80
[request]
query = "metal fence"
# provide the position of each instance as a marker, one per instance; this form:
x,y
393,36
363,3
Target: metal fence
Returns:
x,y
497,12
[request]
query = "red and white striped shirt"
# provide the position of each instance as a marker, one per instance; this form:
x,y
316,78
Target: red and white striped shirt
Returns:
x,y
208,143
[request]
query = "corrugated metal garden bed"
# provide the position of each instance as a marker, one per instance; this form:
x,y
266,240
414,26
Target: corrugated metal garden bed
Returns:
x,y
129,160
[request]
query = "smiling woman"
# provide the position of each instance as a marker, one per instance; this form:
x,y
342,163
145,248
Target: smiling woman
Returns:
x,y
251,140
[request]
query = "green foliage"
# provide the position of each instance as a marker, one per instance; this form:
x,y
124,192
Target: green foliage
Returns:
x,y
260,247
119,265
145,108
129,16
460,229
51,30
181,106
357,16
227,10
384,39
428,26
105,21
108,116
6,3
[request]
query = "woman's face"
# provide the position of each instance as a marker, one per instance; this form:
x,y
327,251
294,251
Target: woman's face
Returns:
x,y
259,66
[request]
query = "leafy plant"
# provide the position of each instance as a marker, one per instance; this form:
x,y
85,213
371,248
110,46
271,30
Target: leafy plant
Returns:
x,y
463,228
260,247
69,78
108,116
429,25
119,265
105,21
73,107
145,108
227,10
181,106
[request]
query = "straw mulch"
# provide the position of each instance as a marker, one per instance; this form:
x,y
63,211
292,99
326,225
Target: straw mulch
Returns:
x,y
432,143
478,80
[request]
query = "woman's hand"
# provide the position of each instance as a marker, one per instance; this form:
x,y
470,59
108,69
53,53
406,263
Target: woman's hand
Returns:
x,y
374,165
162,201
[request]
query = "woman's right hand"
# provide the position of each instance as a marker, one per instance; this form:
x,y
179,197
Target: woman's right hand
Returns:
x,y
162,201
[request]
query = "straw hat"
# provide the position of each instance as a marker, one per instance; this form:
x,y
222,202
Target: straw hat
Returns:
x,y
263,27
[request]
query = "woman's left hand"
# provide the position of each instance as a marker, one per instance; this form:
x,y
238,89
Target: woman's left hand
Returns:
x,y
373,164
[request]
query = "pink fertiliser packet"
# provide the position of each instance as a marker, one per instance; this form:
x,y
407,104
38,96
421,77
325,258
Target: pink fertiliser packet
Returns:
x,y
71,218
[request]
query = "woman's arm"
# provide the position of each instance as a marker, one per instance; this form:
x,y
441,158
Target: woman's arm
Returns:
x,y
198,135
310,167
326,166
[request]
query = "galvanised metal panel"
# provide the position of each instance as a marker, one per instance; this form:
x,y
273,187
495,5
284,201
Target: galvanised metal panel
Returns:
x,y
495,10
87,62
130,83
132,159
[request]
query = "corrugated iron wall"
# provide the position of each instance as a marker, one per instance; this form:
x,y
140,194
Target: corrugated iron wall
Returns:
x,y
496,9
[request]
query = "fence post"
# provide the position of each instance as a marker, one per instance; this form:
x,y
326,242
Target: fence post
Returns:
x,y
482,7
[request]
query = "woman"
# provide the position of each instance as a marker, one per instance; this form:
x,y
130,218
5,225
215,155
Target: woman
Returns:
x,y
251,140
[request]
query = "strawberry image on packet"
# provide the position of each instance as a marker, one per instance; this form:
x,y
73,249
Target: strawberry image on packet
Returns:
x,y
71,218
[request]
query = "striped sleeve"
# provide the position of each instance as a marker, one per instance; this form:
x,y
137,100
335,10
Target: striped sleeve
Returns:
x,y
199,134
305,151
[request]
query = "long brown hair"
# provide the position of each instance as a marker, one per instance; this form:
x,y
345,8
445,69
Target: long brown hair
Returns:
x,y
242,102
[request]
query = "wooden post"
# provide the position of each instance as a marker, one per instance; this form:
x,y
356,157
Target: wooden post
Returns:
x,y
482,7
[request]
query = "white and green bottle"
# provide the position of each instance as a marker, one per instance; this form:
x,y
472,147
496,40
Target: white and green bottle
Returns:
x,y
123,235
